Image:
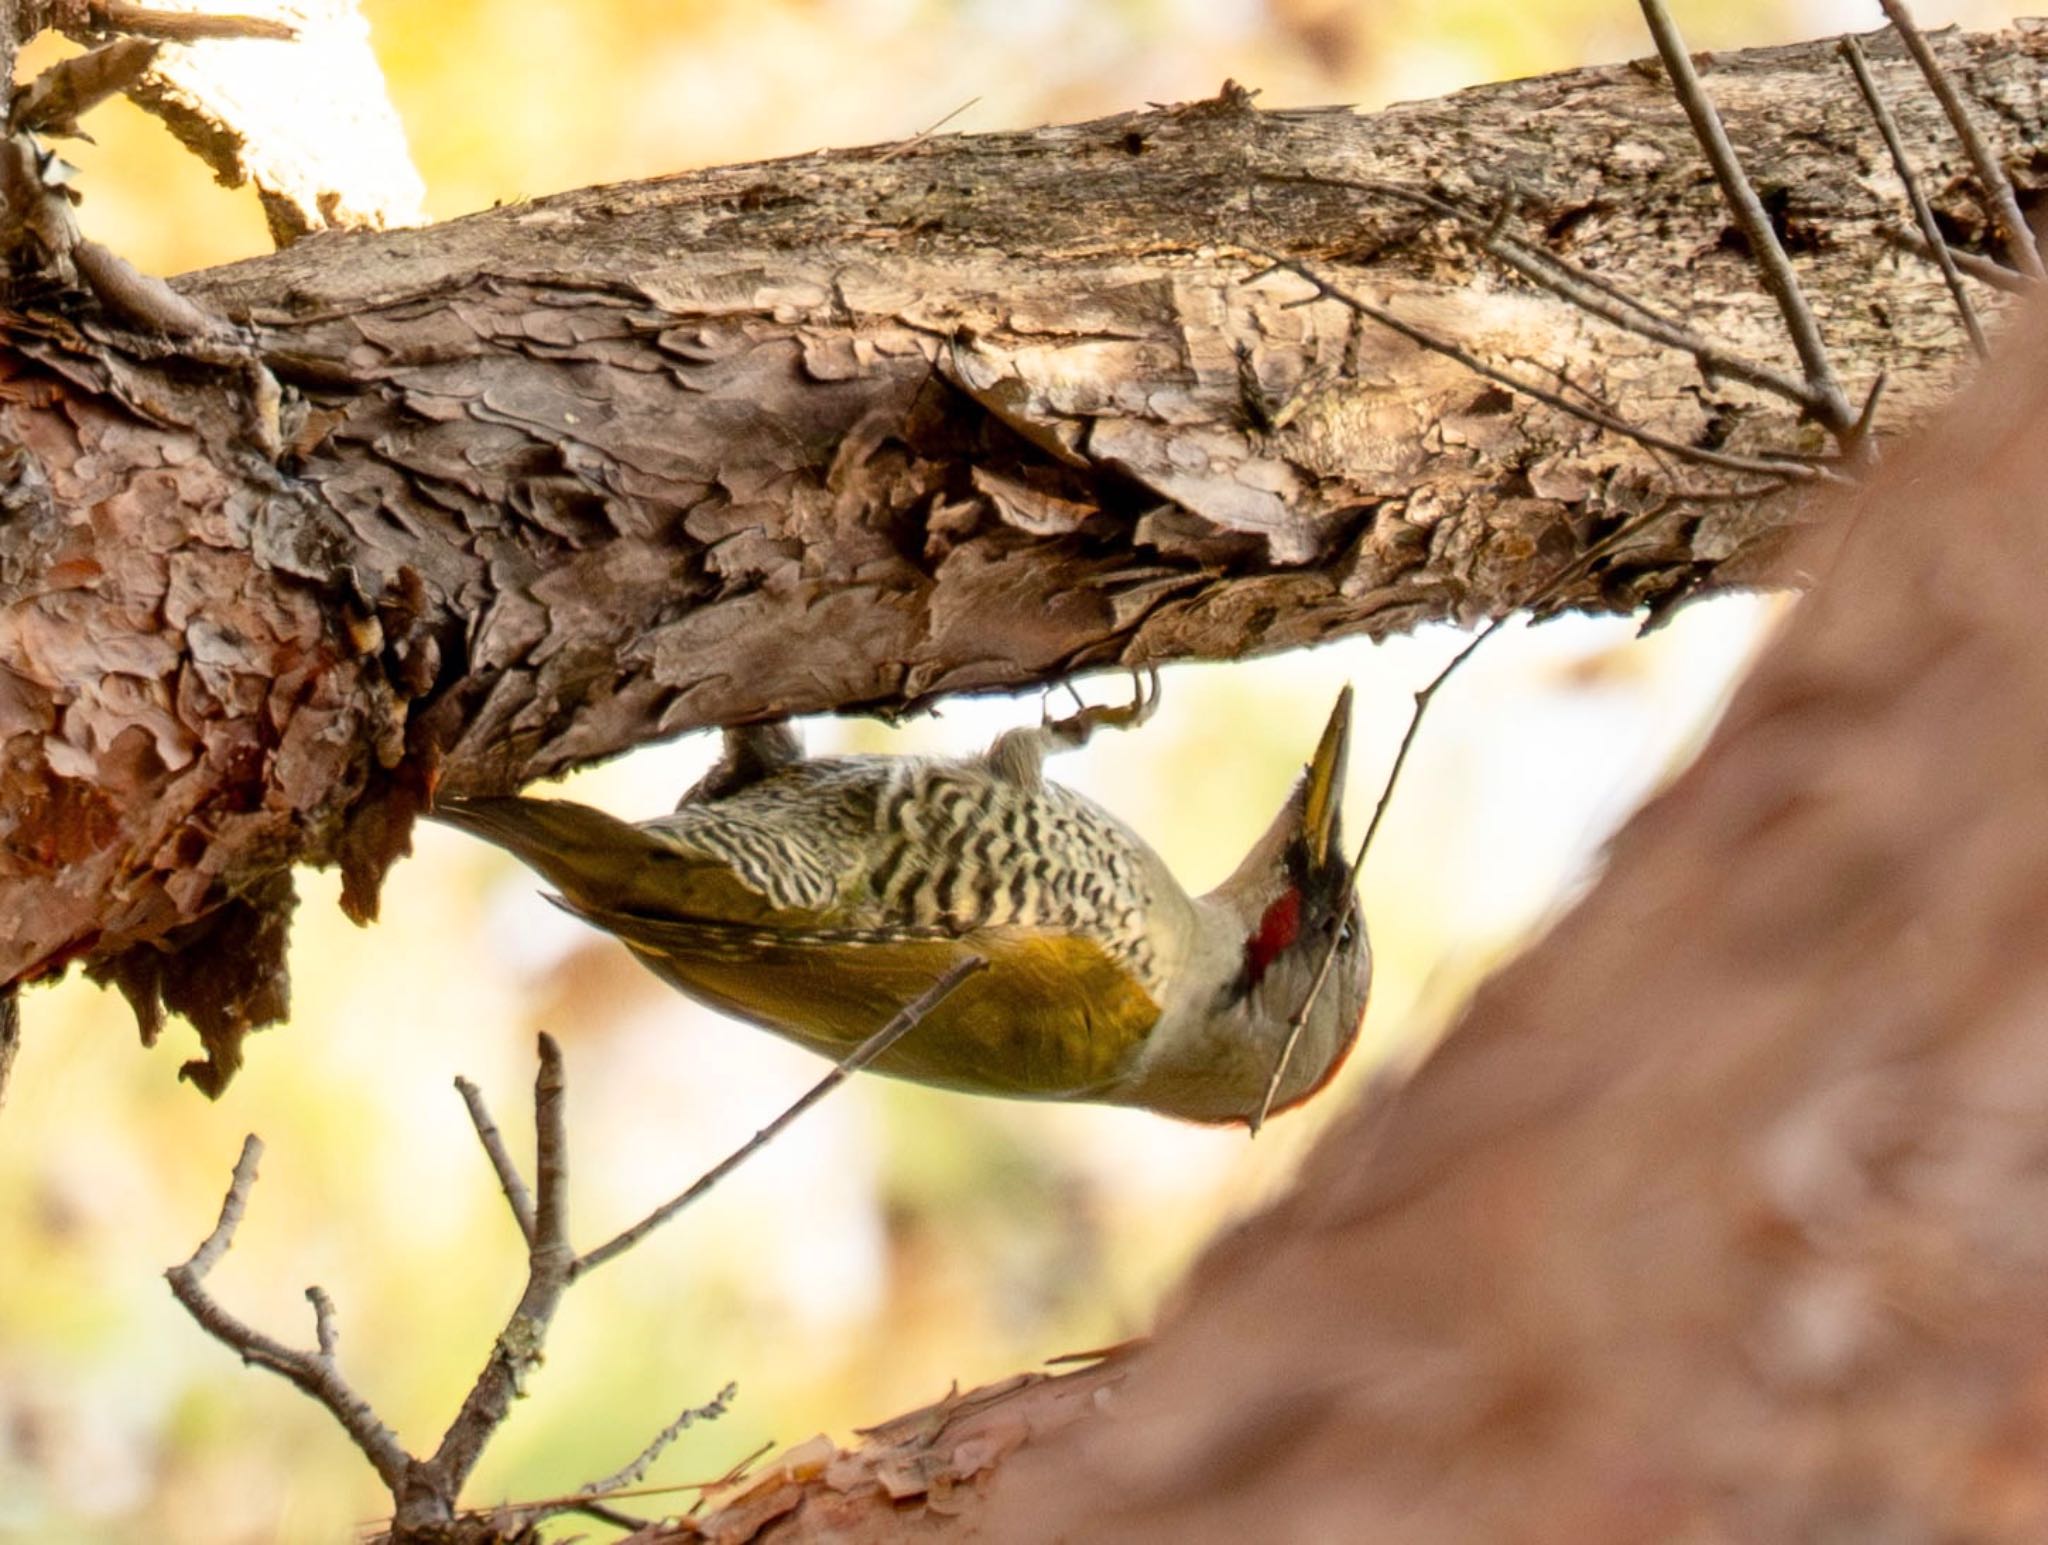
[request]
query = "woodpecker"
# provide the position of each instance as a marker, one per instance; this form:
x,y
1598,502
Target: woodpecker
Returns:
x,y
815,897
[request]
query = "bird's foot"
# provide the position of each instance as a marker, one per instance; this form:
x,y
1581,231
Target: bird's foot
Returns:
x,y
752,752
1073,731
1019,755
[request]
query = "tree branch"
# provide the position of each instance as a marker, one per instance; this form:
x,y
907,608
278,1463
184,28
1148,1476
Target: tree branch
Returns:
x,y
466,507
635,1470
425,1492
517,1197
315,1373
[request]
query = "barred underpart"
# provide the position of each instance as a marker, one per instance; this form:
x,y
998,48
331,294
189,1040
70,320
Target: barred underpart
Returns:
x,y
883,847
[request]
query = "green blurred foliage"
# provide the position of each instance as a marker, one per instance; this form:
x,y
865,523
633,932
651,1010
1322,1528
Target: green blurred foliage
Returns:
x,y
897,1239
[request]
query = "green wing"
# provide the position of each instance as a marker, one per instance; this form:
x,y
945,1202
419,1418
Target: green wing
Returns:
x,y
1054,1017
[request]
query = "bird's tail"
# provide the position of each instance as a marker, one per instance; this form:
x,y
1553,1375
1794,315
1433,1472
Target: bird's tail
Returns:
x,y
599,862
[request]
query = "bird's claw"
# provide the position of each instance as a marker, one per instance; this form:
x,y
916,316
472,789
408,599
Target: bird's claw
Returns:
x,y
1073,731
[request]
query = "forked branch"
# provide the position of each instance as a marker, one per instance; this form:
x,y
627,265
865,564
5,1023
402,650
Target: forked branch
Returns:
x,y
425,1492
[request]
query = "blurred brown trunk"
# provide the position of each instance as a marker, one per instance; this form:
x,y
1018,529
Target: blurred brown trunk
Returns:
x,y
473,505
1720,1214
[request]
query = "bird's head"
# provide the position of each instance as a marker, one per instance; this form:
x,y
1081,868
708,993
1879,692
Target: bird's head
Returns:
x,y
1291,902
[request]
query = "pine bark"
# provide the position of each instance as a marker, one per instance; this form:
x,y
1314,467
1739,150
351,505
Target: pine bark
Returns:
x,y
463,507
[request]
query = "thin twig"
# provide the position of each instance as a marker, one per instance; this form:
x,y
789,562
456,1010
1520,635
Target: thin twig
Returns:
x,y
517,1197
538,1508
551,1151
632,1473
1983,269
1999,199
312,1372
1771,466
863,1054
1867,417
10,1035
1553,274
1585,289
1923,212
1674,490
733,1475
904,147
183,26
1831,405
326,1335
215,1245
517,1350
618,1518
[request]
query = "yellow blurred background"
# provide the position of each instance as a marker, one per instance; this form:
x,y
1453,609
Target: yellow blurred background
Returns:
x,y
897,1239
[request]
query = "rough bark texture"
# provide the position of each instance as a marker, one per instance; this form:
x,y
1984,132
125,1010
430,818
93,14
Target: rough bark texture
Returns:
x,y
917,1476
1720,1216
484,502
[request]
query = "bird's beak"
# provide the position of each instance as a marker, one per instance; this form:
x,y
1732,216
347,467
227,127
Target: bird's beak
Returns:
x,y
1326,782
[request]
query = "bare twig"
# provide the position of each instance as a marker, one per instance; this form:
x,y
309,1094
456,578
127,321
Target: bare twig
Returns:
x,y
1831,405
1923,212
1590,292
1982,269
183,26
632,1473
1788,466
215,1245
56,99
535,1509
1601,299
326,1335
517,1350
10,1035
904,147
1999,199
517,1197
424,1491
1868,415
315,1373
858,1058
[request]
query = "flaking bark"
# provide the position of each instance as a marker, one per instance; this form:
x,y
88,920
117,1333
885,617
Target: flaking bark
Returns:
x,y
481,503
